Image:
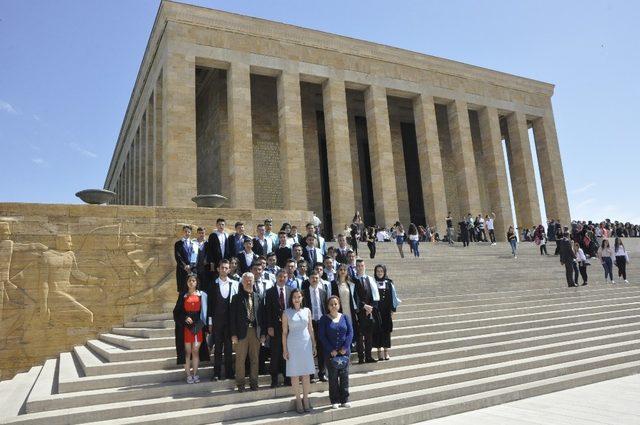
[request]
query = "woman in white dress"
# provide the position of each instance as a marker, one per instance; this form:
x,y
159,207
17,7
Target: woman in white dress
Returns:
x,y
298,348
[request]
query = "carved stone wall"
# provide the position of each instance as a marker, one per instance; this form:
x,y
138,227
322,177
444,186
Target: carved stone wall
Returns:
x,y
69,272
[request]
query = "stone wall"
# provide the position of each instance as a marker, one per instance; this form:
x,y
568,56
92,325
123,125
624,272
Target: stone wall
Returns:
x,y
68,272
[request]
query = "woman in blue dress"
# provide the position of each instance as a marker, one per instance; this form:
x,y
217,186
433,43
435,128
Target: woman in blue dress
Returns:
x,y
298,348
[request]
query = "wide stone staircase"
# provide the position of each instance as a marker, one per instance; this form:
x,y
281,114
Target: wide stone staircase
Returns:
x,y
476,328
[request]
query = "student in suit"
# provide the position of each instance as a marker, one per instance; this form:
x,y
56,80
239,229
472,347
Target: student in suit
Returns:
x,y
182,250
218,245
275,302
283,251
246,257
246,331
567,258
387,306
260,286
236,241
262,245
190,315
200,248
315,299
293,281
223,291
312,254
366,297
342,250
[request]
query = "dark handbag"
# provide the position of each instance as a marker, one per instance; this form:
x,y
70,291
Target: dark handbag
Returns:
x,y
340,362
196,327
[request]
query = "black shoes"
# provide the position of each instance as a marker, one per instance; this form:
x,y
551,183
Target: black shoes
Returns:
x,y
371,360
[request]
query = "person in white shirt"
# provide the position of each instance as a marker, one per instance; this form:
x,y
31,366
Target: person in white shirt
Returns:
x,y
622,258
488,222
315,299
262,245
581,263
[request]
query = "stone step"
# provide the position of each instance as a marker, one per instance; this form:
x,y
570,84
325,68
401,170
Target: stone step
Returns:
x,y
133,343
425,363
393,411
577,360
153,317
92,365
155,324
404,393
144,332
15,392
114,354
70,381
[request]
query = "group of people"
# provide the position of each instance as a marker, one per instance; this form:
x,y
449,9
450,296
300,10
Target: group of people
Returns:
x,y
283,297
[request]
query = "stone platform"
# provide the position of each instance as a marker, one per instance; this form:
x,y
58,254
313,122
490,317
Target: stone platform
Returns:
x,y
476,329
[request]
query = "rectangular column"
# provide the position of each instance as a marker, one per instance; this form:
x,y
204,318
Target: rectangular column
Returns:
x,y
240,142
496,171
462,146
127,167
433,193
150,155
334,99
294,178
179,128
551,172
383,174
523,179
143,159
135,149
159,145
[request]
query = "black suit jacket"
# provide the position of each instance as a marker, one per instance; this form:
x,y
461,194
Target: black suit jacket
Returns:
x,y
180,253
307,298
231,240
259,249
307,256
272,310
566,252
242,262
240,318
341,258
214,251
283,254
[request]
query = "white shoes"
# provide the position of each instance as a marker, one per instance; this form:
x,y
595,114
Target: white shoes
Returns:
x,y
613,281
345,405
335,406
189,379
626,281
196,379
515,257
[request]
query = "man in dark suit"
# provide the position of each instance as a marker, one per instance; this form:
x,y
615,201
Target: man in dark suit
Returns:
x,y
246,331
283,251
342,250
182,251
276,301
262,245
567,257
367,299
236,241
315,299
246,257
261,285
312,254
218,246
200,247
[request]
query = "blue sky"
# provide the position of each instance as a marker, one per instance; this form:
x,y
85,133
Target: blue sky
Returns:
x,y
67,68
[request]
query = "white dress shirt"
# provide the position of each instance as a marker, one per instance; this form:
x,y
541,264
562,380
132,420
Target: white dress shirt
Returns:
x,y
222,238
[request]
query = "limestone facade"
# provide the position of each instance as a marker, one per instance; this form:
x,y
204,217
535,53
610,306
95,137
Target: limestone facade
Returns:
x,y
275,116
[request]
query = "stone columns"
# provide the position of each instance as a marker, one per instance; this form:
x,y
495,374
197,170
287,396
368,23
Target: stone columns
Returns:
x,y
128,179
143,159
240,142
179,128
159,145
150,155
523,180
380,151
294,178
462,147
433,193
334,100
496,171
550,165
135,166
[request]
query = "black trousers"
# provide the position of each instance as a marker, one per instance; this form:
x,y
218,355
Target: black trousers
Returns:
x,y
222,341
583,273
338,383
354,244
543,249
465,237
492,235
364,343
621,262
278,364
321,365
569,272
557,248
372,249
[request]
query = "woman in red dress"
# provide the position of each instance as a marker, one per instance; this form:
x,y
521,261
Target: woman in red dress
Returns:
x,y
190,316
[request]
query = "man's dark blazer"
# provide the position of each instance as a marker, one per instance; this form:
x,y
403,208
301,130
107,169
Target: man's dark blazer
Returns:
x,y
340,257
283,254
273,312
242,262
259,249
307,256
307,298
240,319
566,252
182,260
214,251
231,240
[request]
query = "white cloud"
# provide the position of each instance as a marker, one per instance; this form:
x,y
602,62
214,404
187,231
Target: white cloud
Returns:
x,y
584,188
586,202
7,107
38,161
76,147
36,117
